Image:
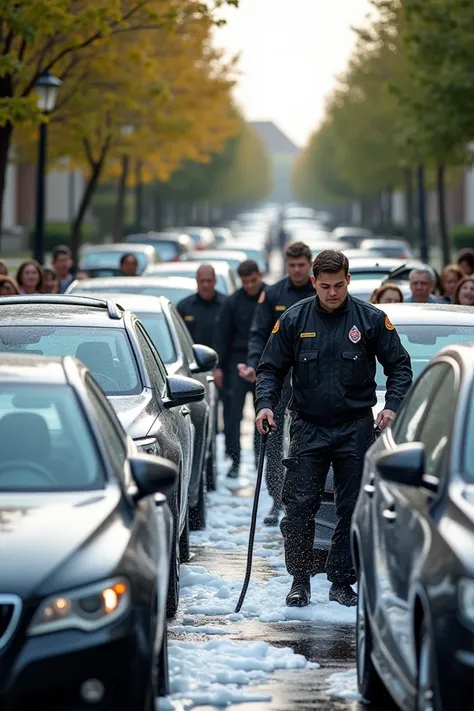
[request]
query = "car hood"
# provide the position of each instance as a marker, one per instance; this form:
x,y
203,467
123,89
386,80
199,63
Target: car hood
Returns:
x,y
41,532
135,412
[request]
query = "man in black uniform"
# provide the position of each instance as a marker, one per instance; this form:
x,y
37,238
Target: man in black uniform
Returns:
x,y
200,310
331,342
272,303
232,337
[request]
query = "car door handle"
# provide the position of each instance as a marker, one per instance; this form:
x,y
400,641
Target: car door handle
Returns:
x,y
389,515
185,411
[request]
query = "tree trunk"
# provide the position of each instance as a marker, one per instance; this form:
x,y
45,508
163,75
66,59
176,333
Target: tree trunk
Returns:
x,y
157,209
5,142
443,225
117,234
389,210
423,230
409,206
139,197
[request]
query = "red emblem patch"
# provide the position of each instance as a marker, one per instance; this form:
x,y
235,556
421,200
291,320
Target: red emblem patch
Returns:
x,y
355,335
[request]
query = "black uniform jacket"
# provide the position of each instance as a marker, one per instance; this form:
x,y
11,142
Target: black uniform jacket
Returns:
x,y
233,328
272,304
333,360
200,316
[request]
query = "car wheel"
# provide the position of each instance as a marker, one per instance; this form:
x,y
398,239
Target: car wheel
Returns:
x,y
151,694
370,685
163,667
197,515
184,553
173,584
211,473
426,694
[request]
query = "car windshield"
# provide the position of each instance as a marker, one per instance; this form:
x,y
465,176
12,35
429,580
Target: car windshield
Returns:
x,y
94,260
174,294
167,250
46,442
368,273
159,332
423,342
105,351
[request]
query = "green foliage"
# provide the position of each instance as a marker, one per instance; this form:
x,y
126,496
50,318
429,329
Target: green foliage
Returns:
x,y
59,233
462,236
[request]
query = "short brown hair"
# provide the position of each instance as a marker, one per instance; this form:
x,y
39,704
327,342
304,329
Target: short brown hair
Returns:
x,y
298,250
466,255
381,290
331,261
247,268
39,269
11,281
461,283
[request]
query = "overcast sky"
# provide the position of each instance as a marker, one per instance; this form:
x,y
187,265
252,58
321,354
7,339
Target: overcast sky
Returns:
x,y
291,51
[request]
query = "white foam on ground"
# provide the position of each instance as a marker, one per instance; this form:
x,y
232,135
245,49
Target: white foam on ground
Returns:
x,y
343,685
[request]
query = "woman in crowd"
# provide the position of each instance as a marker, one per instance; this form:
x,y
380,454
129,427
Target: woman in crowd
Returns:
x,y
3,268
466,261
450,278
465,292
387,294
30,277
50,282
8,286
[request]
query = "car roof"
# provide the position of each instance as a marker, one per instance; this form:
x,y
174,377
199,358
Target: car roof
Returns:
x,y
150,237
184,266
197,255
135,302
115,283
384,242
439,314
376,263
33,368
117,247
67,310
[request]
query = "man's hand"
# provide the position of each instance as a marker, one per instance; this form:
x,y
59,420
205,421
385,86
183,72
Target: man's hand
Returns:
x,y
219,378
247,373
385,418
265,415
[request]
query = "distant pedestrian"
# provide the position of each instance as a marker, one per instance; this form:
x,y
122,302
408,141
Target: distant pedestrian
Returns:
x,y
200,310
464,295
50,282
422,284
450,278
465,260
62,265
129,264
29,277
387,294
3,268
8,286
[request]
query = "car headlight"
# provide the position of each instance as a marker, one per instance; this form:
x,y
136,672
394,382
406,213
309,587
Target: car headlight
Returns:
x,y
148,445
466,598
86,609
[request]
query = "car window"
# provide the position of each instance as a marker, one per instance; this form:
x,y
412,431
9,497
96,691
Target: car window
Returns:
x,y
423,342
110,428
94,260
437,424
167,250
46,441
158,330
411,414
154,368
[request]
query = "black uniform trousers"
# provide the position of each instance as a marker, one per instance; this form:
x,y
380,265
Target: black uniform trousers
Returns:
x,y
312,450
275,471
236,389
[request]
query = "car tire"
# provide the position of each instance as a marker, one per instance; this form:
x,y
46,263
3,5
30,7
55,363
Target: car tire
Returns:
x,y
197,515
426,696
172,600
184,551
371,687
211,472
151,694
163,666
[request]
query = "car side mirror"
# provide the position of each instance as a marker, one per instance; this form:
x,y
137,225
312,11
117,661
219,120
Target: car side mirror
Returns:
x,y
152,475
205,359
406,465
182,391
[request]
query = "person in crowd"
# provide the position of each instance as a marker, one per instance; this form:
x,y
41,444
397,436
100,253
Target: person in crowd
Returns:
x,y
29,277
8,286
272,303
422,284
387,294
62,265
50,282
129,265
200,310
331,342
464,294
3,268
231,341
465,260
450,278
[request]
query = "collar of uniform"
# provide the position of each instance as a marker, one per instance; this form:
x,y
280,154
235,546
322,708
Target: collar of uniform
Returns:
x,y
300,289
341,310
199,300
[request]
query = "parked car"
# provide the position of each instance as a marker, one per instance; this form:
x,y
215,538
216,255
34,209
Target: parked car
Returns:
x,y
104,260
401,274
203,237
225,276
364,288
231,257
173,288
424,329
181,356
394,248
413,540
353,235
252,251
113,344
374,267
168,246
88,533
222,235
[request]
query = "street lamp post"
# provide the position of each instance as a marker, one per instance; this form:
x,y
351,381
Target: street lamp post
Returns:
x,y
46,88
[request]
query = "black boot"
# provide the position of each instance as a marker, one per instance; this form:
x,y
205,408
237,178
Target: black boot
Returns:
x,y
273,516
300,593
233,472
343,594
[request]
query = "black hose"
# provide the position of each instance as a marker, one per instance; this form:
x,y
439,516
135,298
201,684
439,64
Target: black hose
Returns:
x,y
253,523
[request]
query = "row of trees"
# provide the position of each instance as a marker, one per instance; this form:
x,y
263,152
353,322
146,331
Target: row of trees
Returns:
x,y
142,85
404,104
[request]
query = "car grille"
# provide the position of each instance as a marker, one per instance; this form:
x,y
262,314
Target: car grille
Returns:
x,y
10,610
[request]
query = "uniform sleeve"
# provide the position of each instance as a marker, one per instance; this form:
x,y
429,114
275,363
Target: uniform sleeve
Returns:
x,y
262,324
223,335
275,364
180,308
395,360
